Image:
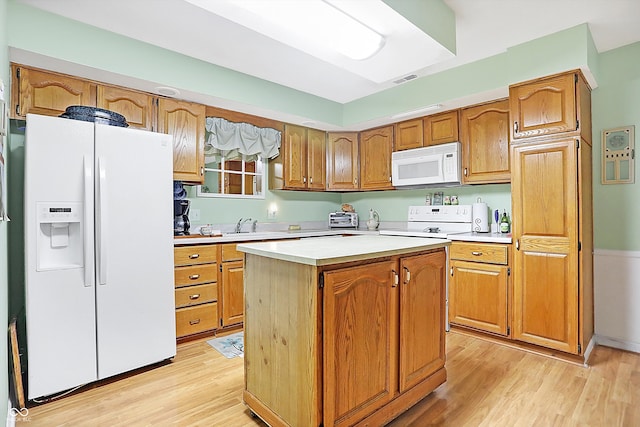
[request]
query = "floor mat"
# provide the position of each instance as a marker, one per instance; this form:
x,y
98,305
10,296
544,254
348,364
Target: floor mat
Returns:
x,y
230,345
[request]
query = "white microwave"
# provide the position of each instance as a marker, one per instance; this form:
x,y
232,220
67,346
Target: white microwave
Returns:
x,y
437,164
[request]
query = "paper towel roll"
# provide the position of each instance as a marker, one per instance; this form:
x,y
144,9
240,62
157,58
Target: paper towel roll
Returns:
x,y
480,213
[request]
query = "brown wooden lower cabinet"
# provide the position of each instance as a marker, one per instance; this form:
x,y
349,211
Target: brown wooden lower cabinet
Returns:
x,y
343,346
196,319
209,290
479,286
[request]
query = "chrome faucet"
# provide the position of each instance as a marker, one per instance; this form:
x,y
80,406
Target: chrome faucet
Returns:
x,y
240,223
254,225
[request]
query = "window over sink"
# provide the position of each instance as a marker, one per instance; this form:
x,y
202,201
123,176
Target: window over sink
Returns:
x,y
235,158
233,178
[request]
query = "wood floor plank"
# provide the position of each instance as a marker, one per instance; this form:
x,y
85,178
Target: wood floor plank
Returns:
x,y
488,385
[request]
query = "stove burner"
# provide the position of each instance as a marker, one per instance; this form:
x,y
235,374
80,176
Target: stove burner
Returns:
x,y
432,230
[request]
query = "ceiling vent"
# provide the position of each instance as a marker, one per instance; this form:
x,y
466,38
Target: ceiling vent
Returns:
x,y
405,79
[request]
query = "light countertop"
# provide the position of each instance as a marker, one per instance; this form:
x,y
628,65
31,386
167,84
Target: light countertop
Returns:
x,y
474,236
336,250
195,239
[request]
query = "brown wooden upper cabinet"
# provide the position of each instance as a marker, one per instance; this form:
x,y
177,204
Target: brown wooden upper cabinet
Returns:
x,y
47,93
549,105
186,122
440,128
409,134
342,161
424,131
376,146
304,152
484,134
137,107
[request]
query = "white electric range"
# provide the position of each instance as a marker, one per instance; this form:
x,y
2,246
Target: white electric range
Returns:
x,y
437,221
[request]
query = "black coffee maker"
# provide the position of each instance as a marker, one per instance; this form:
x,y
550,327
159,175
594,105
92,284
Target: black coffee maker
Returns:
x,y
181,217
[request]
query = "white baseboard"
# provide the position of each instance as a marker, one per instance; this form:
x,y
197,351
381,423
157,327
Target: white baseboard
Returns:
x,y
11,418
615,343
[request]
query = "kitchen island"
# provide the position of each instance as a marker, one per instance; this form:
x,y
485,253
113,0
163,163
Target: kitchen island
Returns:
x,y
343,330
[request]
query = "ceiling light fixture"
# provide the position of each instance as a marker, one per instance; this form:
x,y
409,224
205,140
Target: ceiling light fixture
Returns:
x,y
418,111
318,22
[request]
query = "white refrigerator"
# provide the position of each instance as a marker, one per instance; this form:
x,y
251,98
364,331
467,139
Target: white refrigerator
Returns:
x,y
99,252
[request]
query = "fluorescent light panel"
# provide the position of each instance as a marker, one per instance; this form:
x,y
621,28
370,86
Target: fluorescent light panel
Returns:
x,y
318,22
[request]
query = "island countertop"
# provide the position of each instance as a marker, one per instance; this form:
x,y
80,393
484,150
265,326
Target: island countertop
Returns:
x,y
321,251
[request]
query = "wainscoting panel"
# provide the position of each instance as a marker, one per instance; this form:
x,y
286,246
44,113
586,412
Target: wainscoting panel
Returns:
x,y
617,298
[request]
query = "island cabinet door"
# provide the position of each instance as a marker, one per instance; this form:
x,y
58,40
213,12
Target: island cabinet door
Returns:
x,y
422,317
360,324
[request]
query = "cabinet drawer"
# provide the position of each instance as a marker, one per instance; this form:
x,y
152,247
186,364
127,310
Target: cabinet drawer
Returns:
x,y
194,295
195,274
229,253
196,254
479,252
200,318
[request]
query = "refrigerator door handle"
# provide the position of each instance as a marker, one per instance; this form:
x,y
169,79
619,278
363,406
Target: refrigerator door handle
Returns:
x,y
88,258
102,221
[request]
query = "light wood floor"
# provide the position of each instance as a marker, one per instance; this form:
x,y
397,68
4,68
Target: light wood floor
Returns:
x,y
488,385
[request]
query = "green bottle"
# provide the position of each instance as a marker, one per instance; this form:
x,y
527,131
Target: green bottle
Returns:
x,y
505,226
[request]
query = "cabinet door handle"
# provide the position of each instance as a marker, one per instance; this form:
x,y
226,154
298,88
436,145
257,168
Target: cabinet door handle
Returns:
x,y
476,253
515,127
201,171
304,179
194,296
194,322
310,180
465,171
517,244
407,275
194,256
194,276
395,279
451,271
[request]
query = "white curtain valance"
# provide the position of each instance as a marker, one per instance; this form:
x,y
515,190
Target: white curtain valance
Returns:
x,y
239,140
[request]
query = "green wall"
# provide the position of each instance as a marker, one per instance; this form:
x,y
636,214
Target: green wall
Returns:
x,y
392,205
616,103
4,280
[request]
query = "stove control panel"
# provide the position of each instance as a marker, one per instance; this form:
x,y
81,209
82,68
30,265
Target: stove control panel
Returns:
x,y
440,213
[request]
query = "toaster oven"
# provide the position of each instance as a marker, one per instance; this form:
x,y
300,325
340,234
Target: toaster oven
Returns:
x,y
343,220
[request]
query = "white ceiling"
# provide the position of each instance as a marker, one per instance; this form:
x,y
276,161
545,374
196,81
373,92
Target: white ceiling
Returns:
x,y
483,28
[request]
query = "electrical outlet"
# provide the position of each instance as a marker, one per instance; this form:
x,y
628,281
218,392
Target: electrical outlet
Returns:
x,y
194,214
271,214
